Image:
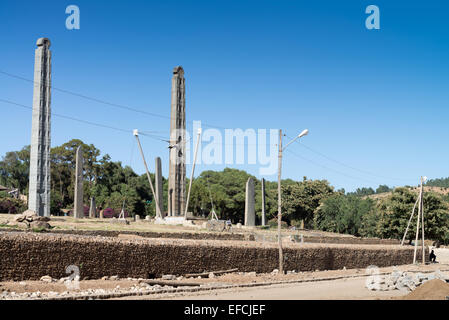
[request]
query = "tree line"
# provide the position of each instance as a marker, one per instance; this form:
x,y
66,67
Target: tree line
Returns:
x,y
314,202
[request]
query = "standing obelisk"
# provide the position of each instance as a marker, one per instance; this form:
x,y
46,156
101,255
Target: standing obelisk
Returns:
x,y
39,184
159,187
78,206
177,167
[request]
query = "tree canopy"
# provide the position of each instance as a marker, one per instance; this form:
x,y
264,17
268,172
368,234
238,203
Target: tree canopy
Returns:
x,y
312,201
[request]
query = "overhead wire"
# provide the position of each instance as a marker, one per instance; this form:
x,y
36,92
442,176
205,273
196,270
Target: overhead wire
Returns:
x,y
101,101
79,120
346,165
330,169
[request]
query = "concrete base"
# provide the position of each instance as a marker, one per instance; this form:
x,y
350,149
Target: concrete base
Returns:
x,y
174,220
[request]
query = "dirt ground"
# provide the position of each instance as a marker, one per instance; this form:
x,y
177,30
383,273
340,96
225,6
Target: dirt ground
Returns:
x,y
350,287
332,284
431,290
340,289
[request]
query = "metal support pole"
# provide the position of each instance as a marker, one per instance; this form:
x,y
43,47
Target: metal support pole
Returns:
x,y
193,170
136,134
410,220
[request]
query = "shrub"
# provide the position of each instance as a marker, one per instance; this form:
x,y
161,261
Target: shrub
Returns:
x,y
110,213
12,205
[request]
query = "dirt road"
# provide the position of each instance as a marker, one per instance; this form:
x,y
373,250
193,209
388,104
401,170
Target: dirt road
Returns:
x,y
352,288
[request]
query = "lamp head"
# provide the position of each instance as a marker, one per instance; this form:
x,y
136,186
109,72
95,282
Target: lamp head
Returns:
x,y
304,133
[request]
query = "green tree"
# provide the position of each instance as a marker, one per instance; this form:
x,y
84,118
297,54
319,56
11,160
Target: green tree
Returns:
x,y
301,199
396,210
382,189
15,169
344,214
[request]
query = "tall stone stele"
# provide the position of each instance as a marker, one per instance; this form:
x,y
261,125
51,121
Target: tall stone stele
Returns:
x,y
39,183
78,207
159,191
177,167
92,208
250,202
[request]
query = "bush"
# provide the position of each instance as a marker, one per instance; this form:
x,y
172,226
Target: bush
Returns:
x,y
111,213
12,205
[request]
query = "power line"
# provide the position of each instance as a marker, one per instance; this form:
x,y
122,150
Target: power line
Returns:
x,y
330,169
348,166
97,100
80,120
88,97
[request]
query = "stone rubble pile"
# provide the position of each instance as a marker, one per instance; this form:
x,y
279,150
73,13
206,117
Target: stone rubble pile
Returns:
x,y
141,287
399,280
32,220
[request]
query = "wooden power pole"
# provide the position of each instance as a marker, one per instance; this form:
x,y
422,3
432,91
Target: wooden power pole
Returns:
x,y
281,258
420,217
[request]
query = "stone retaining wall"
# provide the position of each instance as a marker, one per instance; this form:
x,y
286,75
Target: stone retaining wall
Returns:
x,y
348,240
315,239
149,234
28,256
221,236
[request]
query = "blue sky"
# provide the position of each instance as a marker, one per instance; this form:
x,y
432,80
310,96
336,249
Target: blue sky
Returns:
x,y
376,101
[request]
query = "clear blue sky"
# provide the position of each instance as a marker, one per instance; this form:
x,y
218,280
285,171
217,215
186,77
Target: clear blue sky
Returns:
x,y
374,100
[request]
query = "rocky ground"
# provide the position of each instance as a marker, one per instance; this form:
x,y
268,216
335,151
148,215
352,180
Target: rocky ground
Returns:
x,y
113,287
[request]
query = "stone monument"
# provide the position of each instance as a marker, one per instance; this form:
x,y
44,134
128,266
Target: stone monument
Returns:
x,y
250,215
93,208
79,205
159,187
39,183
177,167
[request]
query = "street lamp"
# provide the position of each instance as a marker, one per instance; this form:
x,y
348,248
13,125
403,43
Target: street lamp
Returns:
x,y
302,134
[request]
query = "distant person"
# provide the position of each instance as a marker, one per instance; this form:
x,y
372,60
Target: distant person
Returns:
x,y
432,257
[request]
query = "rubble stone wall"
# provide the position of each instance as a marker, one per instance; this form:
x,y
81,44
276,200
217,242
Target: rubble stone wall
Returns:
x,y
149,234
28,256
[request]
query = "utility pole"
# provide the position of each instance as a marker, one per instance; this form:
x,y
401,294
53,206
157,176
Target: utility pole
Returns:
x,y
136,134
281,258
422,223
420,217
302,134
193,170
